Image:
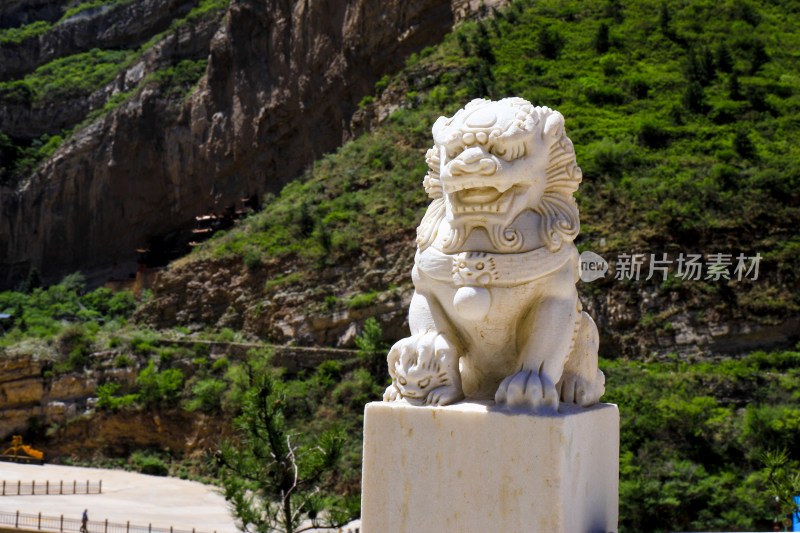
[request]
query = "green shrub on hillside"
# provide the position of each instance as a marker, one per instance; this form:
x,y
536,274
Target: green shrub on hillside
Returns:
x,y
65,309
162,388
77,75
40,27
177,80
149,464
106,398
21,33
207,395
693,437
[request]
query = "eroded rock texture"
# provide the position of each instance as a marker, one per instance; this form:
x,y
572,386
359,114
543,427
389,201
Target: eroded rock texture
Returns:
x,y
284,78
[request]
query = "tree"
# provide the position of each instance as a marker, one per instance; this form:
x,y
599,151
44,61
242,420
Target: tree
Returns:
x,y
549,42
694,98
724,58
601,39
275,482
482,45
33,281
734,89
159,388
372,350
744,145
782,481
664,19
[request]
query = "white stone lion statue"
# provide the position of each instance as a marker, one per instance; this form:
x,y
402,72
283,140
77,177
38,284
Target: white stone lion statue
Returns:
x,y
495,312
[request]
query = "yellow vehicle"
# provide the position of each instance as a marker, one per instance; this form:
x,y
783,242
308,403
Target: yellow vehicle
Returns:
x,y
21,453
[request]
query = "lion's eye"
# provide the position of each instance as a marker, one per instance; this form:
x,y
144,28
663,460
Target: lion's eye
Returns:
x,y
402,380
424,382
454,150
508,151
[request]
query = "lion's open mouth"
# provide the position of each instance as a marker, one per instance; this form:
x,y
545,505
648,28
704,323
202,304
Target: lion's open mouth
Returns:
x,y
479,195
482,200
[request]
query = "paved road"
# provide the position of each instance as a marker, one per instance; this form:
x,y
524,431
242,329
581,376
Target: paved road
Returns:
x,y
142,499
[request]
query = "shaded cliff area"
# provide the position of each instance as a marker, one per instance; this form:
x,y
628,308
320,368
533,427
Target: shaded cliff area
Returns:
x,y
140,161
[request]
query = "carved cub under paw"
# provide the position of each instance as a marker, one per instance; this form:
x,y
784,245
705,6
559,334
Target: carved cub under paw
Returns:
x,y
424,370
495,313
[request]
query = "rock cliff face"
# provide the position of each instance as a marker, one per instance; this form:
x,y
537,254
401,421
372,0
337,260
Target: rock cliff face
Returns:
x,y
26,394
32,395
284,78
21,12
126,26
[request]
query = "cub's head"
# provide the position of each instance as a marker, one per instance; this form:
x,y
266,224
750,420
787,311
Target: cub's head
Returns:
x,y
490,162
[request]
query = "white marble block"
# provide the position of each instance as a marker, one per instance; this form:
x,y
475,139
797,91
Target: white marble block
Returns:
x,y
469,468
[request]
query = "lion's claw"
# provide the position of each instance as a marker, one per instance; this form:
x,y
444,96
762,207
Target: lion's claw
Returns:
x,y
391,394
444,395
527,389
576,389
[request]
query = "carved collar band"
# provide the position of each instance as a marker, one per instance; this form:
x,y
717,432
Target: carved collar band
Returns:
x,y
483,269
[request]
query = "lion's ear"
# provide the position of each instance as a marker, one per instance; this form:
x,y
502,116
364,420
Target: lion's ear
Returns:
x,y
437,126
554,126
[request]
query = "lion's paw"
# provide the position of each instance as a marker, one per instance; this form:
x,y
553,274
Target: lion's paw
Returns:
x,y
424,370
391,394
580,391
444,395
528,390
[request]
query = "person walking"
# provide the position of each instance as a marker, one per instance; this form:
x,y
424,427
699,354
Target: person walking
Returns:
x,y
85,521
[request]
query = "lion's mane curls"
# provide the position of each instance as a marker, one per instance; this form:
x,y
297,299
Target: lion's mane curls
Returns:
x,y
556,207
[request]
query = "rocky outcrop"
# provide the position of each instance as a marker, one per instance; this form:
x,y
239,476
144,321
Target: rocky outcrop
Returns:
x,y
28,392
120,434
33,396
283,80
123,26
32,119
20,12
313,311
316,311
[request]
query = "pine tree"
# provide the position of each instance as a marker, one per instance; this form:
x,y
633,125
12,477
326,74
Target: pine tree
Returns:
x,y
694,98
601,39
549,42
734,89
707,66
274,483
723,58
373,350
33,281
743,145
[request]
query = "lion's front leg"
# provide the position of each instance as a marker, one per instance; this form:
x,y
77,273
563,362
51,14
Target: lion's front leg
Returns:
x,y
582,382
424,366
550,328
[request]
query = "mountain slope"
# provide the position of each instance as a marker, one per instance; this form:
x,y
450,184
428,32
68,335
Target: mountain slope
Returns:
x,y
687,137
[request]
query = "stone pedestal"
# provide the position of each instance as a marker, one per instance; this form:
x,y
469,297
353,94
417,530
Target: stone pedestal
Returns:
x,y
470,468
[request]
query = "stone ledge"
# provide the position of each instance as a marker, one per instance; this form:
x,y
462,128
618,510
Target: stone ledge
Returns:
x,y
470,468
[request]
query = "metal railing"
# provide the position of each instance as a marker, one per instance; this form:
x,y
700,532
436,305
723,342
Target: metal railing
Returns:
x,y
59,523
47,488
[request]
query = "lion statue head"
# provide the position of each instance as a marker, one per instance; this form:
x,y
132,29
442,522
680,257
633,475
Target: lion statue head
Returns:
x,y
492,162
